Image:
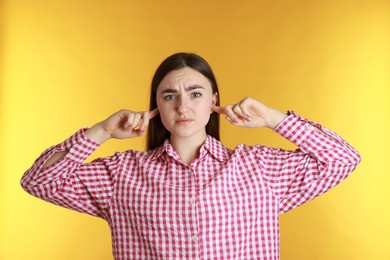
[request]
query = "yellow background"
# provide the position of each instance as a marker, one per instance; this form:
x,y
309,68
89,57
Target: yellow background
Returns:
x,y
65,64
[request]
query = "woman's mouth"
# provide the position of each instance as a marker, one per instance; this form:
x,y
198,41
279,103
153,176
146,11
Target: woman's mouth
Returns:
x,y
183,121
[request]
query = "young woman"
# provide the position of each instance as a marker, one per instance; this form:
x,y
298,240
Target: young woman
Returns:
x,y
188,196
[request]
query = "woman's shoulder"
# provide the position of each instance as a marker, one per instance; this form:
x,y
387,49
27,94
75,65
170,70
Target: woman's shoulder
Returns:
x,y
141,156
257,150
133,154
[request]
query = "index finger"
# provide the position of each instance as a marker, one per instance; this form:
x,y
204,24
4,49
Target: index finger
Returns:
x,y
153,113
219,110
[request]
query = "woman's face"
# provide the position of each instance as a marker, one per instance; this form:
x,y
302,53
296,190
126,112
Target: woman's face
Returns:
x,y
184,99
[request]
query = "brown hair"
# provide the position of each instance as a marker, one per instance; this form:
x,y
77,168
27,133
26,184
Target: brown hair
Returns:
x,y
157,133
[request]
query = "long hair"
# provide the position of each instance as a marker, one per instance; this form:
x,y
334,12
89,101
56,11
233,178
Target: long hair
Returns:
x,y
157,133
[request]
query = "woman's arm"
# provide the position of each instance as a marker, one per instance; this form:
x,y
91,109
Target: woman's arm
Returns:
x,y
60,177
322,161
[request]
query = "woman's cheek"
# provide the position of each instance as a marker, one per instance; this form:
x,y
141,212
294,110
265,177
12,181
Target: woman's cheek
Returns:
x,y
164,118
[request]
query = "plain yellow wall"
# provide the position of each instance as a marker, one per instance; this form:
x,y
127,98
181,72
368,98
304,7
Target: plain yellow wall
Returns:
x,y
66,64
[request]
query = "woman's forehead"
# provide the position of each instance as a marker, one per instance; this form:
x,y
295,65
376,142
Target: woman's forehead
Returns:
x,y
184,77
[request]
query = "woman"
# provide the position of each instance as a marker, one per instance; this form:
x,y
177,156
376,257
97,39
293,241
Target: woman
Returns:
x,y
188,196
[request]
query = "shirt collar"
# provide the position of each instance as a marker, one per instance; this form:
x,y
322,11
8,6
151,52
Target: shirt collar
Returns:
x,y
211,146
215,148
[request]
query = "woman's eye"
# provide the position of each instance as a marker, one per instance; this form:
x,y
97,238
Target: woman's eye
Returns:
x,y
196,94
169,97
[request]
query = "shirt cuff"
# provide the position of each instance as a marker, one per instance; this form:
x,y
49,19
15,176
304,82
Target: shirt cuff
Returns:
x,y
296,128
79,146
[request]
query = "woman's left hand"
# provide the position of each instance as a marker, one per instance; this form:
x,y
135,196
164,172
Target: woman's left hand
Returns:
x,y
251,113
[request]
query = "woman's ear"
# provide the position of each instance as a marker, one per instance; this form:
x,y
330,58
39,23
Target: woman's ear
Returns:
x,y
214,101
215,98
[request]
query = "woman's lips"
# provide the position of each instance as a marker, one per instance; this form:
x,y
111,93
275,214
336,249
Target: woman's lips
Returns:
x,y
184,121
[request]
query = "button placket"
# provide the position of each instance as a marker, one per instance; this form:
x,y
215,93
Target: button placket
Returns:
x,y
193,235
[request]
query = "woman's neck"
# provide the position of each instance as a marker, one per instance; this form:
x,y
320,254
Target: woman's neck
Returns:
x,y
188,147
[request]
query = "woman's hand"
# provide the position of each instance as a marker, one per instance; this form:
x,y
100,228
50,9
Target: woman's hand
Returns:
x,y
251,113
123,124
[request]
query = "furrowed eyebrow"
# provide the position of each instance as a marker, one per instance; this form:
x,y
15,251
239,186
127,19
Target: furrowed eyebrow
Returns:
x,y
169,90
194,87
172,90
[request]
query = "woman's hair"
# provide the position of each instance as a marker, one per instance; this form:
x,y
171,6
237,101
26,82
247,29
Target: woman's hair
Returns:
x,y
157,133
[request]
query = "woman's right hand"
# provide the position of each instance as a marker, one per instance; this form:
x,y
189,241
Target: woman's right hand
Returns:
x,y
123,124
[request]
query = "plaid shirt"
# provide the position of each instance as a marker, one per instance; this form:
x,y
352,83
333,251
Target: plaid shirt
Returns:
x,y
224,205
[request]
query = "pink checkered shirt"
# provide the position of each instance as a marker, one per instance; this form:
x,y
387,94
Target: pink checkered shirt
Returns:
x,y
224,205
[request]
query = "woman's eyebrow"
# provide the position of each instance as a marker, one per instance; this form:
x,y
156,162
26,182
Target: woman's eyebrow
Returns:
x,y
173,90
169,90
194,87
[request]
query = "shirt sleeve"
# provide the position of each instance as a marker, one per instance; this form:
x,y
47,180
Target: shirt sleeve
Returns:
x,y
69,183
322,161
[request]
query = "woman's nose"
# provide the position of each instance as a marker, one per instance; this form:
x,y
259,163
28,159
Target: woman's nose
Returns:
x,y
181,105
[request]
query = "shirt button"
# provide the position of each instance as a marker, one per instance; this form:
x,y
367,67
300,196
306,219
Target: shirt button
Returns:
x,y
194,238
192,200
190,171
308,127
